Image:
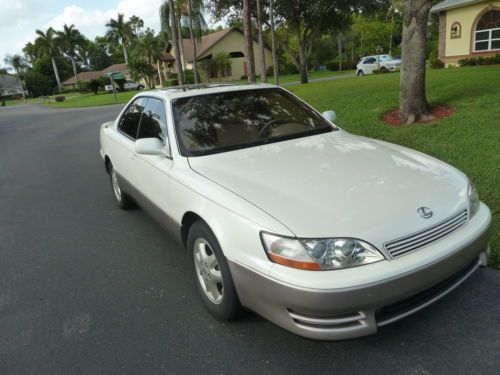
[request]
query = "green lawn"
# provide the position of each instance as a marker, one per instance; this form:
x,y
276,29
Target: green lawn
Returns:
x,y
468,140
296,77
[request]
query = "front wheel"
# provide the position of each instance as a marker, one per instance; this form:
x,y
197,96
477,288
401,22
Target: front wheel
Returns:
x,y
140,87
211,273
121,198
360,73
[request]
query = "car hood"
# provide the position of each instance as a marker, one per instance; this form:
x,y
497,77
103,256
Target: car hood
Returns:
x,y
338,184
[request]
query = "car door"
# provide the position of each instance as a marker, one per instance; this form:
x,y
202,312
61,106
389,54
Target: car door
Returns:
x,y
370,65
153,171
122,152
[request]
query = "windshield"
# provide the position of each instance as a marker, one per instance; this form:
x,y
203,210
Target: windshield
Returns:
x,y
212,123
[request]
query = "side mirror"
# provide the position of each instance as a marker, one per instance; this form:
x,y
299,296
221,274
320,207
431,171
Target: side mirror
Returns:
x,y
149,146
330,115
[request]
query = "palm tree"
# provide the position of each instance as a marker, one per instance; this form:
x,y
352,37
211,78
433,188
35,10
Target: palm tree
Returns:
x,y
247,31
175,40
120,31
17,62
263,74
47,45
149,46
273,42
69,39
195,13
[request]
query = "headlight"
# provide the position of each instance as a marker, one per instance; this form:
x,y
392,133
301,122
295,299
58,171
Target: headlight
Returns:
x,y
473,199
319,254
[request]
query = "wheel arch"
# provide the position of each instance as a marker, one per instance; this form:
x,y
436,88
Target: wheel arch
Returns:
x,y
107,163
188,219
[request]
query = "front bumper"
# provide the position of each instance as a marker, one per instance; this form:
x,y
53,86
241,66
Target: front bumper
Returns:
x,y
344,313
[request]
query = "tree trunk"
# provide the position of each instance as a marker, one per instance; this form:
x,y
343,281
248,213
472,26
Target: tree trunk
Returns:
x,y
175,40
158,62
193,41
181,44
302,59
56,73
247,31
262,55
273,42
125,52
75,73
339,45
412,98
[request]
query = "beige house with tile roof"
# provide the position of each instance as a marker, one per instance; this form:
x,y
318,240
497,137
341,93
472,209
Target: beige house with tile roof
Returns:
x,y
468,28
230,41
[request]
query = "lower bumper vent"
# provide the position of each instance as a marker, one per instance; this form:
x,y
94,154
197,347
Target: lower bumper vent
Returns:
x,y
329,323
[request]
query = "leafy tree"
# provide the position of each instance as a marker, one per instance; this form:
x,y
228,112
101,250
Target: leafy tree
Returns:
x,y
173,27
197,23
150,48
141,69
121,32
18,64
69,39
30,53
46,44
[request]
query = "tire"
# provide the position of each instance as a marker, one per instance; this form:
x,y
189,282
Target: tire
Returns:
x,y
360,73
140,87
211,273
123,200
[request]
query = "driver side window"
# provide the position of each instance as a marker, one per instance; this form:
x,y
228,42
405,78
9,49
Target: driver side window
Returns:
x,y
129,122
153,122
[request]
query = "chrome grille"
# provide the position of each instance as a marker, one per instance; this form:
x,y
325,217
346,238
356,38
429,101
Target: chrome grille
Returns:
x,y
425,237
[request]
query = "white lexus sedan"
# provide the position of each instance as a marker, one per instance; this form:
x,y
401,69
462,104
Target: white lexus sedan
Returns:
x,y
327,234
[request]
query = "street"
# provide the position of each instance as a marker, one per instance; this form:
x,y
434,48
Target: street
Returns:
x,y
86,288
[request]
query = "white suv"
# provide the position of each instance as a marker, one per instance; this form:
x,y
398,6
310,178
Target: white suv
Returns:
x,y
369,64
129,85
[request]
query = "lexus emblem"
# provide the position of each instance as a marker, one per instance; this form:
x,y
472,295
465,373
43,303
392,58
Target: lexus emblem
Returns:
x,y
425,212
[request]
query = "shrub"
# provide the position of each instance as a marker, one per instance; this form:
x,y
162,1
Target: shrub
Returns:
x,y
60,98
435,63
172,82
188,77
492,60
244,76
334,65
270,71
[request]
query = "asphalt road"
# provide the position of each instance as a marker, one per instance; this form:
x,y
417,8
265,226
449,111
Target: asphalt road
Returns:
x,y
88,289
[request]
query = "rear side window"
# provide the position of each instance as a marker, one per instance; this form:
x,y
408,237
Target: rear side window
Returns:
x,y
153,121
129,122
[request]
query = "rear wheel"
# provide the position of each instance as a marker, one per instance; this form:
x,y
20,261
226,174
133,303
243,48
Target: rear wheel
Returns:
x,y
122,199
211,273
140,87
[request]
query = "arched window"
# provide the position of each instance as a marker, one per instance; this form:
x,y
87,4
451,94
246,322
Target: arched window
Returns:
x,y
487,35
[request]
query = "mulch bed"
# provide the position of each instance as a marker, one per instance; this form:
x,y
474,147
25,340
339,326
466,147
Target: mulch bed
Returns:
x,y
438,112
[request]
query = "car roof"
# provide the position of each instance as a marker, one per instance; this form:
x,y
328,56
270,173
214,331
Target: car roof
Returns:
x,y
174,92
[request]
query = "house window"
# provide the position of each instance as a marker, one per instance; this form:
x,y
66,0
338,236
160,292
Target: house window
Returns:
x,y
456,30
487,36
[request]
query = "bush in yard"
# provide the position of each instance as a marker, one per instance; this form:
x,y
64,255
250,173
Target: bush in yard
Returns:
x,y
492,60
172,82
188,77
334,65
434,61
60,98
243,77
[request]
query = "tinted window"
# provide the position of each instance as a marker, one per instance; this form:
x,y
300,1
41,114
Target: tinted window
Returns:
x,y
153,120
370,60
220,122
129,122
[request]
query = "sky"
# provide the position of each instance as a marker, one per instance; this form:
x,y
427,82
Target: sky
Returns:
x,y
20,18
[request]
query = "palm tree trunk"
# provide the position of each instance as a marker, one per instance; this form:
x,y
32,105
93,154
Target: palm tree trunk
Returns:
x,y
247,31
181,44
159,73
56,72
193,41
339,45
125,52
175,40
21,82
73,62
262,56
273,42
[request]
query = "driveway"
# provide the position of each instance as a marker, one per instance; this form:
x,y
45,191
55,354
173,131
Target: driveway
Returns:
x,y
88,289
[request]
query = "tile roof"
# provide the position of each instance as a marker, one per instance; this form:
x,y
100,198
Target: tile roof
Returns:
x,y
83,77
115,68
